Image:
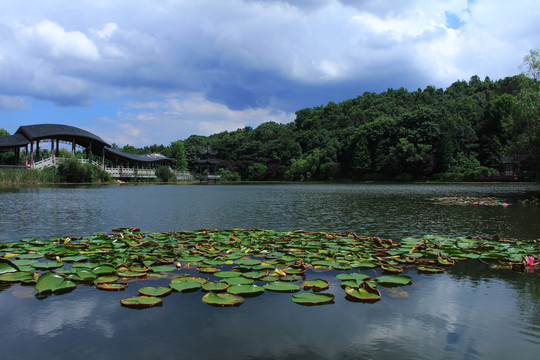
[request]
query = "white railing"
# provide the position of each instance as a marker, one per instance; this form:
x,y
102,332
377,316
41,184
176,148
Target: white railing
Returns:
x,y
116,172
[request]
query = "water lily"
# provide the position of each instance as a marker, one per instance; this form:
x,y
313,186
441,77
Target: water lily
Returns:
x,y
530,261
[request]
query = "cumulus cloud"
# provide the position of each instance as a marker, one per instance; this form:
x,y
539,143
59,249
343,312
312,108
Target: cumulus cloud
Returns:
x,y
178,117
253,55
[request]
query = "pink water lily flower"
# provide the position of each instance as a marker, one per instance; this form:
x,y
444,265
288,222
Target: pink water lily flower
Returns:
x,y
530,261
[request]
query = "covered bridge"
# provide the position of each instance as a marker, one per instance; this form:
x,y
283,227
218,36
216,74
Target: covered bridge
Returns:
x,y
31,138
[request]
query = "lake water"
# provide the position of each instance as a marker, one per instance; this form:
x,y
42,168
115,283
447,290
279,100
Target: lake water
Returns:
x,y
469,312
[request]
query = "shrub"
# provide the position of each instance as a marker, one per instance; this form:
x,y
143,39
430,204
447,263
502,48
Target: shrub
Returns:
x,y
165,174
73,171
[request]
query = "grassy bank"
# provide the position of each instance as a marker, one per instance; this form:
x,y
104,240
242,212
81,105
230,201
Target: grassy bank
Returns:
x,y
21,176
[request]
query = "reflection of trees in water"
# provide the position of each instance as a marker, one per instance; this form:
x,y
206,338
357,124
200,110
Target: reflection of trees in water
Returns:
x,y
527,286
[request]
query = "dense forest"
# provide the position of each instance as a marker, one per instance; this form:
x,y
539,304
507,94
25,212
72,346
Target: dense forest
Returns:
x,y
461,133
464,132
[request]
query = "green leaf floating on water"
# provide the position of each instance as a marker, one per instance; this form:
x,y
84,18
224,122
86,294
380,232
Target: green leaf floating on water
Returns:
x,y
309,298
186,285
215,286
222,299
155,290
282,286
106,279
112,286
163,268
239,257
104,270
50,282
317,284
245,289
394,280
141,301
16,276
248,262
239,280
7,266
352,276
47,265
364,292
227,274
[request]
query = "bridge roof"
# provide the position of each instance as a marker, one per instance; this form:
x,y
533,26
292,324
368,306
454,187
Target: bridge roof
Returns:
x,y
28,133
145,158
57,131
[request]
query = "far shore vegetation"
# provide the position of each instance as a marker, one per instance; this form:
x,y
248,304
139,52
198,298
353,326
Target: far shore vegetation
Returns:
x,y
471,131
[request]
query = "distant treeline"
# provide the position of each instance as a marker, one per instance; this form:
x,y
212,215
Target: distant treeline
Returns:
x,y
460,133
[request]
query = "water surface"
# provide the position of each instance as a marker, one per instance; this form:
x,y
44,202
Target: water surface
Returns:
x,y
470,312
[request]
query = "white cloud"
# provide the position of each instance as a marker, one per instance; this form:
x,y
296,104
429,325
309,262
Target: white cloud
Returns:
x,y
51,38
174,118
13,103
249,61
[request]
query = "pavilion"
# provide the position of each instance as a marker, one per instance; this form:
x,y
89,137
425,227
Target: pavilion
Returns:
x,y
31,137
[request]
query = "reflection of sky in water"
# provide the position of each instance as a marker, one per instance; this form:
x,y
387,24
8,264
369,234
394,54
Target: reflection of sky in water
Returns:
x,y
447,316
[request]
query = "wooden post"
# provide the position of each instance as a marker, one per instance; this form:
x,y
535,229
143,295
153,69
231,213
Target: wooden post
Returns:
x,y
32,155
57,147
52,150
103,158
73,147
26,156
37,150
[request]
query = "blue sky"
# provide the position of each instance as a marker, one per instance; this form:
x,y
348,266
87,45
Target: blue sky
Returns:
x,y
154,71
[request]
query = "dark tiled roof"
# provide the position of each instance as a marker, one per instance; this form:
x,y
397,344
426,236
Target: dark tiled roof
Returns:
x,y
111,153
58,131
28,133
13,141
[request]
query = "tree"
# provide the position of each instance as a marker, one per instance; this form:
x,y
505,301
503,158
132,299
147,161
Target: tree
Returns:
x,y
531,63
178,155
6,156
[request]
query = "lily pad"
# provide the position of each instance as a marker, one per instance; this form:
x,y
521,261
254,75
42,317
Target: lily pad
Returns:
x,y
255,274
247,262
186,285
7,266
115,286
163,268
50,282
352,276
16,276
141,301
430,269
394,280
48,265
309,298
364,292
129,274
239,280
316,285
104,270
222,299
227,274
106,279
215,286
155,290
245,290
82,275
282,286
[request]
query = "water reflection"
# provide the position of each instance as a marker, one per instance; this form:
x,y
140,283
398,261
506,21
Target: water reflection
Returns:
x,y
472,311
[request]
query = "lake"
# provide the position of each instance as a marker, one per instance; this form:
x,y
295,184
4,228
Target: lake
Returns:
x,y
471,311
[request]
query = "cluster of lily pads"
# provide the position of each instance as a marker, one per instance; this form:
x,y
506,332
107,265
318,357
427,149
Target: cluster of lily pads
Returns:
x,y
232,265
469,200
